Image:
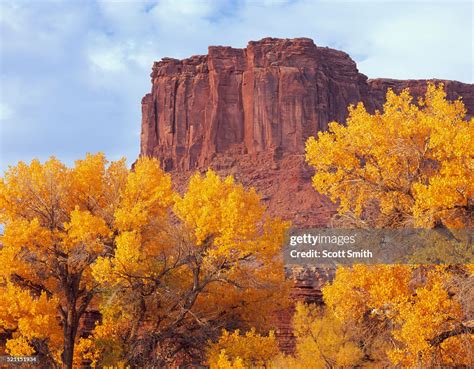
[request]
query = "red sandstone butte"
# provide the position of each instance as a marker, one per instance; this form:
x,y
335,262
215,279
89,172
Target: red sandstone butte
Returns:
x,y
248,112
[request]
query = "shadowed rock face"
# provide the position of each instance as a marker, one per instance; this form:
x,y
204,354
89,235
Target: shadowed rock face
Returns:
x,y
248,112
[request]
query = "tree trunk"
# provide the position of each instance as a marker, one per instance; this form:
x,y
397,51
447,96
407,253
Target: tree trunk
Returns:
x,y
72,314
70,329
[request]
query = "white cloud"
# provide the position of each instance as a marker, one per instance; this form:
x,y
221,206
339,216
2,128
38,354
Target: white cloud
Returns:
x,y
108,54
170,9
108,59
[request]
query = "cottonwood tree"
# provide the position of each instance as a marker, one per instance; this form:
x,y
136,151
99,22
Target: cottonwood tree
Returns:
x,y
171,286
58,222
409,165
421,309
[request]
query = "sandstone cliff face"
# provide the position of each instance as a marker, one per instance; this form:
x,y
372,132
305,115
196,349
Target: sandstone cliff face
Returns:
x,y
248,112
268,97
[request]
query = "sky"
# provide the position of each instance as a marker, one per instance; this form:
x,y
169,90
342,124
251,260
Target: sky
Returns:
x,y
72,73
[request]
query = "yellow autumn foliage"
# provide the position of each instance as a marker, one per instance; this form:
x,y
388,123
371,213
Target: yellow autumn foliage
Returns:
x,y
412,162
322,341
214,262
410,165
249,350
414,301
58,222
28,317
